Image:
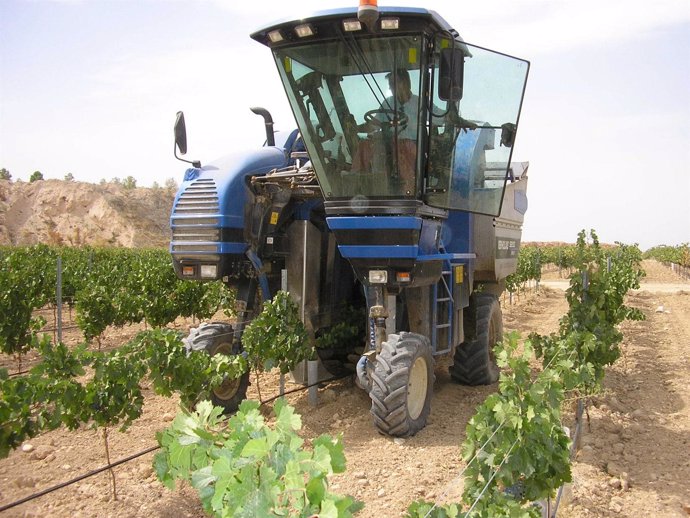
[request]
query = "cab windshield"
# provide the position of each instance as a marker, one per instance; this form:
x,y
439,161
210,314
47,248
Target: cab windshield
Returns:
x,y
379,121
358,107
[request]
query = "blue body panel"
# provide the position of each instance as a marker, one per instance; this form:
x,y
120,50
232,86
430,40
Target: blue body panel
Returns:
x,y
426,245
228,176
365,223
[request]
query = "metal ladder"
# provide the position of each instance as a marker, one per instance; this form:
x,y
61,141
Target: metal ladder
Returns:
x,y
442,318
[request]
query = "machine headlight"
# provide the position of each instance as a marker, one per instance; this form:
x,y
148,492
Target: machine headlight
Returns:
x,y
378,276
209,271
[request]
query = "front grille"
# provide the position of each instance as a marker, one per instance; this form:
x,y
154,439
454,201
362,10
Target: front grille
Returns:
x,y
177,247
201,197
181,233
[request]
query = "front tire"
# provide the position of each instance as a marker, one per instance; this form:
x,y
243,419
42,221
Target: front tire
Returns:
x,y
217,338
474,362
402,385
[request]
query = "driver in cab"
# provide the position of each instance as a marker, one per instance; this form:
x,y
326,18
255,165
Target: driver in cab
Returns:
x,y
399,116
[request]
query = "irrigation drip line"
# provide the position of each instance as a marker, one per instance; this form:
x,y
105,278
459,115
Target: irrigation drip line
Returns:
x,y
78,479
142,453
305,387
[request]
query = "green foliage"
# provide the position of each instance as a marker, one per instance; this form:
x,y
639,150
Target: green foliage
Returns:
x,y
245,468
54,393
516,440
516,434
596,307
670,254
107,286
35,176
348,331
129,183
528,268
69,177
277,337
27,278
5,174
423,509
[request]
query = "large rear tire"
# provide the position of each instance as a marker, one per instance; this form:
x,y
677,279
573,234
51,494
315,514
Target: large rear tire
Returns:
x,y
217,338
402,385
474,362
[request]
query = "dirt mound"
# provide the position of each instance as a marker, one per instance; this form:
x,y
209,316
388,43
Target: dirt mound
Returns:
x,y
72,213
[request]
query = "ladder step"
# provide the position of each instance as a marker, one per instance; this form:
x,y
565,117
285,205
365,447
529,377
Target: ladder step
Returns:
x,y
445,299
442,326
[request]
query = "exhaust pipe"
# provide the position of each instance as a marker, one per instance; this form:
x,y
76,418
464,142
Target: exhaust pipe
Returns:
x,y
268,120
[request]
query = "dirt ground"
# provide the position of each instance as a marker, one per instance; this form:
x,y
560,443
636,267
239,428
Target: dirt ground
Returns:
x,y
633,458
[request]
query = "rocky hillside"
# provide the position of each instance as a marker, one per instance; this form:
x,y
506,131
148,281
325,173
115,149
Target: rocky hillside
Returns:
x,y
75,213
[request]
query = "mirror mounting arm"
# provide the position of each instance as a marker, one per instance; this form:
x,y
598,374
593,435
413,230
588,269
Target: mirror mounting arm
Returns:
x,y
195,163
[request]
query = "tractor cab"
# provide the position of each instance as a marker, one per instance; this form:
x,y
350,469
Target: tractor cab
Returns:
x,y
397,112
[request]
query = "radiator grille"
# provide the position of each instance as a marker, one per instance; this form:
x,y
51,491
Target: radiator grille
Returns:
x,y
199,199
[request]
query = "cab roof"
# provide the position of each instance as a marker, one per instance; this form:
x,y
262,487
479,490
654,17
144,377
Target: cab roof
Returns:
x,y
411,19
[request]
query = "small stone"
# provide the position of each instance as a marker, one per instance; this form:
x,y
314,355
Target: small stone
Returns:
x,y
615,483
616,508
24,482
618,448
615,405
419,490
614,469
329,395
27,448
638,414
167,417
399,441
145,470
381,492
66,467
41,452
660,309
360,474
362,482
686,508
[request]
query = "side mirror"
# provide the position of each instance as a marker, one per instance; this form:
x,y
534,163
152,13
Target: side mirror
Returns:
x,y
181,140
451,73
508,134
181,133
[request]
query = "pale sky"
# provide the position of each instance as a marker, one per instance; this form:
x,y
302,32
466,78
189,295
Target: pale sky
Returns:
x,y
91,87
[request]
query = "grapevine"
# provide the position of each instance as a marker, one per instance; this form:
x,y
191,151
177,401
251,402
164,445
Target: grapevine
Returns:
x,y
524,454
243,467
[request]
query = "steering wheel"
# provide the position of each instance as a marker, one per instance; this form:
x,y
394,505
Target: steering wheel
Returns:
x,y
391,118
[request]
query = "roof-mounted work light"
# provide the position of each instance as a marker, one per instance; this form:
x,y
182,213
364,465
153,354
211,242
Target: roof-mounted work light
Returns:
x,y
275,36
304,30
390,23
352,25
